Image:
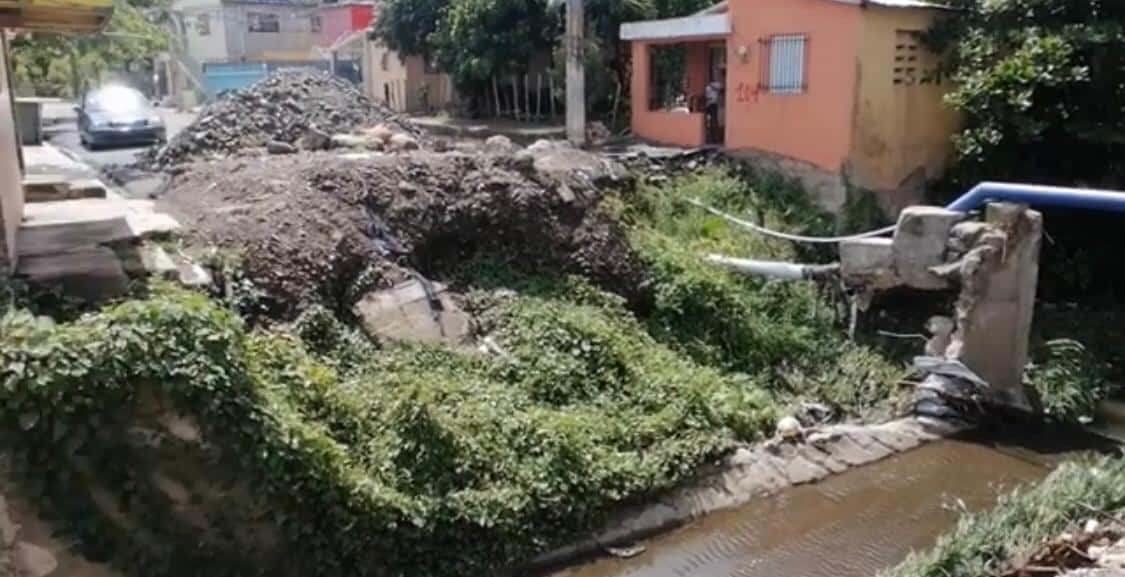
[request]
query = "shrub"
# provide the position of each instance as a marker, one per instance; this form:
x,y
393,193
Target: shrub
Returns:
x,y
782,332
1069,380
431,460
982,543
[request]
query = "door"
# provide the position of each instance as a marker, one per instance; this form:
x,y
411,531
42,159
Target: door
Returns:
x,y
716,80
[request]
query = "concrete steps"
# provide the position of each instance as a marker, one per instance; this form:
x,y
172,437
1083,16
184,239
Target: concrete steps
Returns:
x,y
51,187
94,248
66,225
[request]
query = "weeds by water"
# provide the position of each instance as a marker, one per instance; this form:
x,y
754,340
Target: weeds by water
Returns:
x,y
982,544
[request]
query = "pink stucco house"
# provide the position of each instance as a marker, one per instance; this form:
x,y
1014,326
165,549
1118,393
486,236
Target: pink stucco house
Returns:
x,y
339,19
840,93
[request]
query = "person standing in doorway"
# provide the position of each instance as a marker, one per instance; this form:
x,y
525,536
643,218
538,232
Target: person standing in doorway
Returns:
x,y
711,95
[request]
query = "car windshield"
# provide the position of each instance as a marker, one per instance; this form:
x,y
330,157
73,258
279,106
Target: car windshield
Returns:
x,y
117,100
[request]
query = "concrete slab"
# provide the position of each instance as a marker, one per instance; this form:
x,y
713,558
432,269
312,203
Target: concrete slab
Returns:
x,y
524,132
869,262
55,237
49,187
65,225
407,313
47,159
91,273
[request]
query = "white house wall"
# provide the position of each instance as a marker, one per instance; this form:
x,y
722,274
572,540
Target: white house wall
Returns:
x,y
295,39
213,46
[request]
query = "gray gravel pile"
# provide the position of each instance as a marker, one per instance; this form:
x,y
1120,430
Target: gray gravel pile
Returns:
x,y
282,108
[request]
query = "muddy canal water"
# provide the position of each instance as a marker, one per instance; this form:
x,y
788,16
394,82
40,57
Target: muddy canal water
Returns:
x,y
851,525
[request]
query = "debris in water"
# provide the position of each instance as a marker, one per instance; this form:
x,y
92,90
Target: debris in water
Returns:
x,y
627,552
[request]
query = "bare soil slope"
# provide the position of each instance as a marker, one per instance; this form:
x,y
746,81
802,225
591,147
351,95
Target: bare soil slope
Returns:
x,y
310,224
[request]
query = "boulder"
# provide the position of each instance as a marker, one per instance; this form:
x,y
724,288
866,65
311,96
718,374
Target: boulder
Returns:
x,y
500,145
315,139
278,147
380,132
402,141
349,141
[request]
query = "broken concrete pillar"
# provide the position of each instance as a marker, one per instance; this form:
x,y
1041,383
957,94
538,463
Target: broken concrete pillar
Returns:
x,y
868,262
999,278
920,243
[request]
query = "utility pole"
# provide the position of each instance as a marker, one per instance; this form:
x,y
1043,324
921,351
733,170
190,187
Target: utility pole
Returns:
x,y
575,73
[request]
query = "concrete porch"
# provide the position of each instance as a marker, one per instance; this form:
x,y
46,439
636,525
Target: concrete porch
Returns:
x,y
676,63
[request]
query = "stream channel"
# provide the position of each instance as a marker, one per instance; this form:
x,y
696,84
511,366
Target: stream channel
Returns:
x,y
859,522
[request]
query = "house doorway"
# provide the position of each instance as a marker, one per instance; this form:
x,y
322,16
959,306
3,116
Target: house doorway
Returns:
x,y
715,95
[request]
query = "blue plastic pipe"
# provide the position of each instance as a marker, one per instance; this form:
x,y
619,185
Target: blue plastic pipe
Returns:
x,y
1088,198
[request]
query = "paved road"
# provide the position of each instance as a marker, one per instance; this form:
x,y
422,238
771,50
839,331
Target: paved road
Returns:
x,y
63,133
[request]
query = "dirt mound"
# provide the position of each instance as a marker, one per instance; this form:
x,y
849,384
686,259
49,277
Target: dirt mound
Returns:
x,y
313,226
280,108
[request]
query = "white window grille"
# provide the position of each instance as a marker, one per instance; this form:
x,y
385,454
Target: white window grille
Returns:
x,y
263,22
784,67
203,24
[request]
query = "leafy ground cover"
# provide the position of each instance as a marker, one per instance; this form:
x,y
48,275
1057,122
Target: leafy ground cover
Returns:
x,y
386,459
435,460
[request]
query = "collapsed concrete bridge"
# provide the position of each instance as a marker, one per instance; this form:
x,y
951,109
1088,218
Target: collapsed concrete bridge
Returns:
x,y
978,352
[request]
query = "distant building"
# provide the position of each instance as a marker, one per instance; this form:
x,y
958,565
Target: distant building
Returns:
x,y
404,83
339,19
842,94
343,29
238,30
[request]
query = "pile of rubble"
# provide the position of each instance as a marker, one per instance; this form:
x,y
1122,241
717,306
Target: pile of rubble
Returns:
x,y
314,225
278,112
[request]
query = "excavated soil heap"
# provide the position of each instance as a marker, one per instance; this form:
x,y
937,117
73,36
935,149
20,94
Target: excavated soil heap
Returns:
x,y
282,107
309,224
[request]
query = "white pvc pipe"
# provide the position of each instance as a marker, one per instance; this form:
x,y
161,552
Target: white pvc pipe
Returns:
x,y
767,268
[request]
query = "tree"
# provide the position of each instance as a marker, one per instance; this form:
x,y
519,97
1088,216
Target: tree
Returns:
x,y
407,26
52,64
474,40
481,39
1041,84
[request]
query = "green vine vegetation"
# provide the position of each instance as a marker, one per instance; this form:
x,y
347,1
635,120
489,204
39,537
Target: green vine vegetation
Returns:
x,y
430,461
321,452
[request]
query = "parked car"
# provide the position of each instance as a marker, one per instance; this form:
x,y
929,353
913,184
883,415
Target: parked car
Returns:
x,y
118,115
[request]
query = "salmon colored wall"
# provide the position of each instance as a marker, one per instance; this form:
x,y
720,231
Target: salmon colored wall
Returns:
x,y
675,128
902,132
814,126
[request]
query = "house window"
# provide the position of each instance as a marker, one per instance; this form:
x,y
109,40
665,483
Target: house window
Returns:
x,y
385,61
783,69
668,78
315,23
262,22
203,24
